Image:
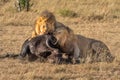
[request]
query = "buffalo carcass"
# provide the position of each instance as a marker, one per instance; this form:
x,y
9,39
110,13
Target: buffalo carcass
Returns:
x,y
43,47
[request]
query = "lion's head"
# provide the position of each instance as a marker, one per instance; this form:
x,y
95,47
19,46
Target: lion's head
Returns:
x,y
63,35
45,24
48,16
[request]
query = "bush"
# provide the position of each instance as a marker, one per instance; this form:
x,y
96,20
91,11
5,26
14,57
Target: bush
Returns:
x,y
67,13
22,4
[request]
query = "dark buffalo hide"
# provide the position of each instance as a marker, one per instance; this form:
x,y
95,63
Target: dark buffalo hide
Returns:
x,y
41,47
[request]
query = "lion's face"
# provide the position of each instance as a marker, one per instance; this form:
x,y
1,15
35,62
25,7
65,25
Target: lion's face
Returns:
x,y
43,26
62,35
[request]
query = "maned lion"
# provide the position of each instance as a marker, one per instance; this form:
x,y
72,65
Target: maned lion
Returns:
x,y
68,42
45,24
81,48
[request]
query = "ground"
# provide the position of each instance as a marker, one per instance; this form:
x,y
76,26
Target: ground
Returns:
x,y
15,27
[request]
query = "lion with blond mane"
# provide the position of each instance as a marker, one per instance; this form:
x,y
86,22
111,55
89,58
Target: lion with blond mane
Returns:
x,y
44,24
80,48
68,42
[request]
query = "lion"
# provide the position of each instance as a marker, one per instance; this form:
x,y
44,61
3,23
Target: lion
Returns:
x,y
45,24
80,48
68,42
92,50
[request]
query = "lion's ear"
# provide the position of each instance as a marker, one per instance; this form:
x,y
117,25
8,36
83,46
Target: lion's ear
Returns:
x,y
39,20
44,19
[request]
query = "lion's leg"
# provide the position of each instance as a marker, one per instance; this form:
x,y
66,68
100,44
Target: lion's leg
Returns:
x,y
55,57
76,54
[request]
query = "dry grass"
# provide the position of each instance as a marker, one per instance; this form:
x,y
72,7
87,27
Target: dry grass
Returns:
x,y
98,19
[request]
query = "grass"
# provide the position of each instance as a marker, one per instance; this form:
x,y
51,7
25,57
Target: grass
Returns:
x,y
15,27
67,13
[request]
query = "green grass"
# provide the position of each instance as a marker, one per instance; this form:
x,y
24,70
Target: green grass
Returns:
x,y
67,13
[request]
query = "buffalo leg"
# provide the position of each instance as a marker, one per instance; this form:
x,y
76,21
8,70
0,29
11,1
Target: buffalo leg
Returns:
x,y
25,49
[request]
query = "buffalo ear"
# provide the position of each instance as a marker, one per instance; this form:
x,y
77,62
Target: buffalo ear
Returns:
x,y
52,42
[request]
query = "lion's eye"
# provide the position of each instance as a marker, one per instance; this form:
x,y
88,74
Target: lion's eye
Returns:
x,y
58,32
43,26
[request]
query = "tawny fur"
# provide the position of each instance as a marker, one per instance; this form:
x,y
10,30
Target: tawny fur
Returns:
x,y
82,49
45,24
92,50
67,41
